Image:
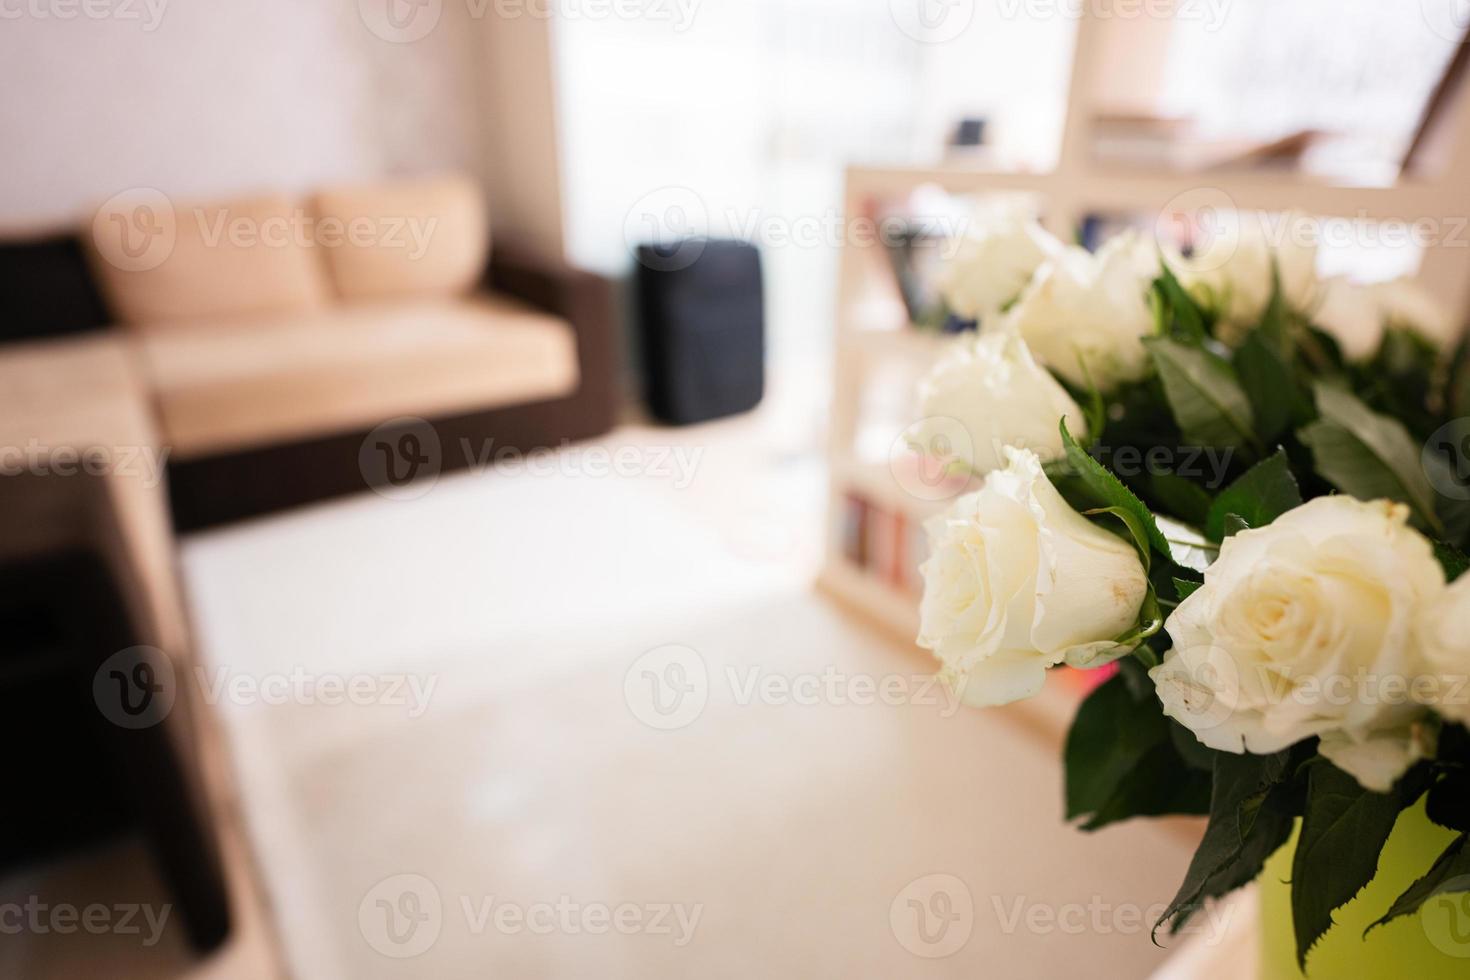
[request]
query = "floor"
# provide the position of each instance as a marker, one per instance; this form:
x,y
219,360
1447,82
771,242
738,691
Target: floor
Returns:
x,y
603,727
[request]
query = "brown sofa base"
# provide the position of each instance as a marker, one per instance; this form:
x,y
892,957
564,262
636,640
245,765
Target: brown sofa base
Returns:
x,y
219,489
70,608
233,486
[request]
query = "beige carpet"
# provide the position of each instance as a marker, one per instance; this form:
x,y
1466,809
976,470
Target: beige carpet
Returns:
x,y
539,816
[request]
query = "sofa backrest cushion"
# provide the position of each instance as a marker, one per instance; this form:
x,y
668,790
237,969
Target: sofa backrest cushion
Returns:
x,y
46,289
162,264
416,238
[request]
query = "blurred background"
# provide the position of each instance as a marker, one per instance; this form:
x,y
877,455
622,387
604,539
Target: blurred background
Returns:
x,y
455,515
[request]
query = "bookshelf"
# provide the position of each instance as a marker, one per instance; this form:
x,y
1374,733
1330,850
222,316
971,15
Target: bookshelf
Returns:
x,y
879,356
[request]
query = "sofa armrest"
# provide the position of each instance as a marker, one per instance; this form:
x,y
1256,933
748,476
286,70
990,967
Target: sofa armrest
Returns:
x,y
586,301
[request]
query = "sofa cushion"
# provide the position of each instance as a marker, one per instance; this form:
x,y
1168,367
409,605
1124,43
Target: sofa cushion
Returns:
x,y
404,239
46,289
70,399
206,261
231,386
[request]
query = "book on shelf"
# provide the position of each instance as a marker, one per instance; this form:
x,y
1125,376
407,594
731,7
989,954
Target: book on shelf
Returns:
x,y
886,543
916,550
854,529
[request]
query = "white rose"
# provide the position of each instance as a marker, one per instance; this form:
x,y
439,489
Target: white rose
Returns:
x,y
994,259
1231,270
1350,314
1356,315
1018,581
1000,396
1444,643
1085,316
1407,304
1305,627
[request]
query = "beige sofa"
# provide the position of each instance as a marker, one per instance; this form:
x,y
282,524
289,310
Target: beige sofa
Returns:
x,y
274,333
253,344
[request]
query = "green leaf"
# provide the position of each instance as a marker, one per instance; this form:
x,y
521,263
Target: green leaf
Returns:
x,y
1196,754
1250,817
1161,784
1180,308
1265,492
1112,731
1094,408
1446,803
1269,386
1186,588
1233,524
1406,354
1135,673
1368,455
1205,398
1453,559
1344,827
1453,513
1107,489
1449,874
1181,497
1121,761
1320,353
1457,390
1455,516
1275,326
1401,381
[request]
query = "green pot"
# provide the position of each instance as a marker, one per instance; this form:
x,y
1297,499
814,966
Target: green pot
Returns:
x,y
1433,944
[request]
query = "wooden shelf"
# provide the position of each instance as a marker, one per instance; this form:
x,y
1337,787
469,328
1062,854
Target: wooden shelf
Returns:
x,y
894,611
877,483
1117,189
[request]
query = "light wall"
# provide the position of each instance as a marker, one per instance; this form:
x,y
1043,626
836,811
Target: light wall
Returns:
x,y
519,109
200,98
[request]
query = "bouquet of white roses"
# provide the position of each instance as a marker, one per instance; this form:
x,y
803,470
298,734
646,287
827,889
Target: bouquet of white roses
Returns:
x,y
1248,488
